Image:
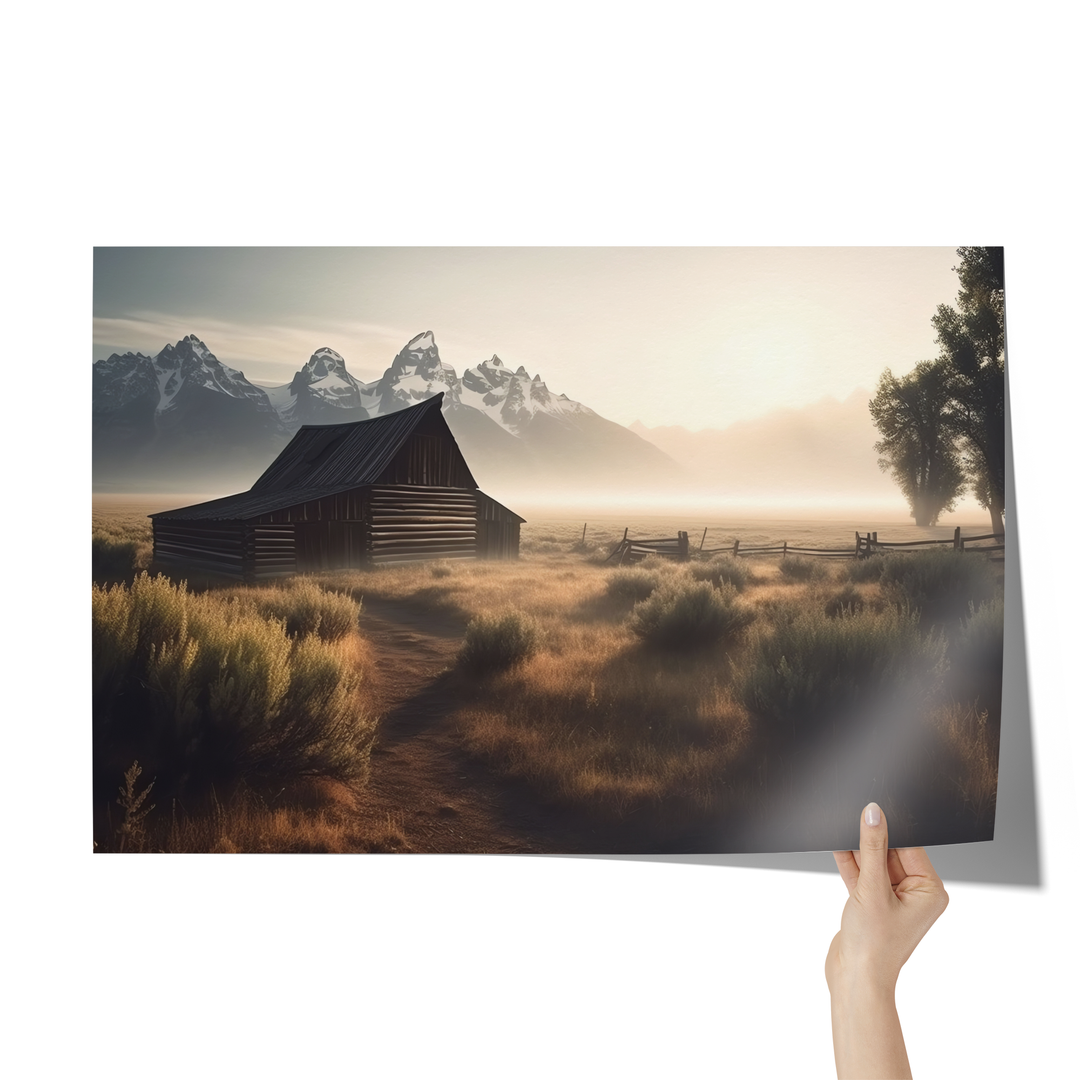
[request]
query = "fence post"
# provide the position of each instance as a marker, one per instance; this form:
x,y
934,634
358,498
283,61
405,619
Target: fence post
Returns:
x,y
583,528
956,541
735,549
875,536
858,543
702,544
784,556
684,546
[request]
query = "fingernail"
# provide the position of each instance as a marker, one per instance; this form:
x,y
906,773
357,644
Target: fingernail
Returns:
x,y
873,814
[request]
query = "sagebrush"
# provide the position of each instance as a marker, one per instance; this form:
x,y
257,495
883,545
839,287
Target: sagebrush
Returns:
x,y
206,691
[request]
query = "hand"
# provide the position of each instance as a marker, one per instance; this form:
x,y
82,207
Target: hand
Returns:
x,y
894,897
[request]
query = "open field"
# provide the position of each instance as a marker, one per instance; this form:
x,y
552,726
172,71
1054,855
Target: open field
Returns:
x,y
558,704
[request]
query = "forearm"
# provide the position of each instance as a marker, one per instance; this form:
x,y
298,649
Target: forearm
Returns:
x,y
867,1039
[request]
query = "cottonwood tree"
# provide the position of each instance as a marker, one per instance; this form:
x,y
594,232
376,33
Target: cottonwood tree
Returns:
x,y
918,445
972,341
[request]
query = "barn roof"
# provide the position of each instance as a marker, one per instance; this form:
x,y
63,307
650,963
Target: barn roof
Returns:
x,y
322,460
347,455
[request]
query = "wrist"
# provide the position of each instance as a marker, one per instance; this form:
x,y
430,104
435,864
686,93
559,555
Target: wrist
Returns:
x,y
864,980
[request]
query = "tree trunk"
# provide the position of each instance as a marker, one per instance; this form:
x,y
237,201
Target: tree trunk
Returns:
x,y
997,522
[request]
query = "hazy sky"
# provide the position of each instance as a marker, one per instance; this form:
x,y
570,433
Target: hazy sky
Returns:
x,y
626,331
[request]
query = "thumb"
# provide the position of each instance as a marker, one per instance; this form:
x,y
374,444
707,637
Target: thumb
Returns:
x,y
873,852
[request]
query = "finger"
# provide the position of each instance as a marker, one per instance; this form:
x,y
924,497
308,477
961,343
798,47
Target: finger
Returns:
x,y
916,863
873,852
849,869
897,873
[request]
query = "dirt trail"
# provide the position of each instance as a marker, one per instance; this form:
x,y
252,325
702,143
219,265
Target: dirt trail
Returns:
x,y
425,792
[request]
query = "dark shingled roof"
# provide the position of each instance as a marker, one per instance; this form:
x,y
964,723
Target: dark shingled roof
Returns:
x,y
248,504
319,461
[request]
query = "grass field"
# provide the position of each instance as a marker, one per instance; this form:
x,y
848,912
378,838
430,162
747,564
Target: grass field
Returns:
x,y
711,706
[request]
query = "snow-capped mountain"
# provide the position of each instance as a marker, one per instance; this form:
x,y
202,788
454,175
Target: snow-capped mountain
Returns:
x,y
510,398
182,413
320,392
416,374
513,399
170,377
190,365
512,429
184,407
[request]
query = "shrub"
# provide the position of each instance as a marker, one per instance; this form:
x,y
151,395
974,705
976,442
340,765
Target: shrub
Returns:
x,y
207,691
845,599
723,570
864,570
497,642
812,670
976,651
117,556
942,584
982,634
797,568
684,614
305,609
632,583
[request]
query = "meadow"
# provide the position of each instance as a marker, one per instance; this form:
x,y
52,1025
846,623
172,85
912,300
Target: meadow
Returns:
x,y
716,705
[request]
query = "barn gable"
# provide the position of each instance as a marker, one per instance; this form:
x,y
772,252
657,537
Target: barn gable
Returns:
x,y
403,447
391,489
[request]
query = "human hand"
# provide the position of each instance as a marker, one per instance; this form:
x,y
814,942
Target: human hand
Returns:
x,y
894,897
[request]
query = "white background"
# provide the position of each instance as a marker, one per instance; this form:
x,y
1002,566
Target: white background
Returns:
x,y
474,123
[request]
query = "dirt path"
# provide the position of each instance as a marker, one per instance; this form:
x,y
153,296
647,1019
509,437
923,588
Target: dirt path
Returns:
x,y
425,792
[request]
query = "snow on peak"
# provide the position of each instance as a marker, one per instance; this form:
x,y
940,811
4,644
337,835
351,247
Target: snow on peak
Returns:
x,y
189,361
421,342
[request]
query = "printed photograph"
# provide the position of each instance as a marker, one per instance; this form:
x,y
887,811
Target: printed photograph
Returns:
x,y
546,550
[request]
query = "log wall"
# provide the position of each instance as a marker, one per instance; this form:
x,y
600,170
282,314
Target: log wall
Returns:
x,y
218,547
412,524
498,530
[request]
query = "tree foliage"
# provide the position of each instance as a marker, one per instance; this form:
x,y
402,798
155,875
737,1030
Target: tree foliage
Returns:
x,y
917,443
972,341
943,425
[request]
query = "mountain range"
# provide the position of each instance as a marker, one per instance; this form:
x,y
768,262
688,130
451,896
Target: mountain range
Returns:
x,y
183,420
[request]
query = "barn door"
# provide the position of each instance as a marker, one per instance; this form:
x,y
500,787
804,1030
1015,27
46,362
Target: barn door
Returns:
x,y
312,547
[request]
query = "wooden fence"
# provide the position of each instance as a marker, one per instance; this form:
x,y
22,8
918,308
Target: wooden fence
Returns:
x,y
631,551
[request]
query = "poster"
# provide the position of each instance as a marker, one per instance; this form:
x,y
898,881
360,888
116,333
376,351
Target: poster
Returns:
x,y
591,550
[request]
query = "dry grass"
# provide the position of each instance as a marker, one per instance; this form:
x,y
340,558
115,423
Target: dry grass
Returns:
x,y
248,823
617,732
592,723
598,724
208,695
969,758
303,604
122,545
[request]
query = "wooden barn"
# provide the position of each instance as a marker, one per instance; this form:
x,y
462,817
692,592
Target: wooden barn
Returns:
x,y
393,489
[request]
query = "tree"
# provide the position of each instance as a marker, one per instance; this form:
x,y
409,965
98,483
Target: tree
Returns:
x,y
972,341
918,445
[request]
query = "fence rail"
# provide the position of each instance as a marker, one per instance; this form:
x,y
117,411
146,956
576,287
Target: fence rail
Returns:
x,y
678,547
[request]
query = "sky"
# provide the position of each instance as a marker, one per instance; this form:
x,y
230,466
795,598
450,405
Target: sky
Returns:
x,y
627,331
